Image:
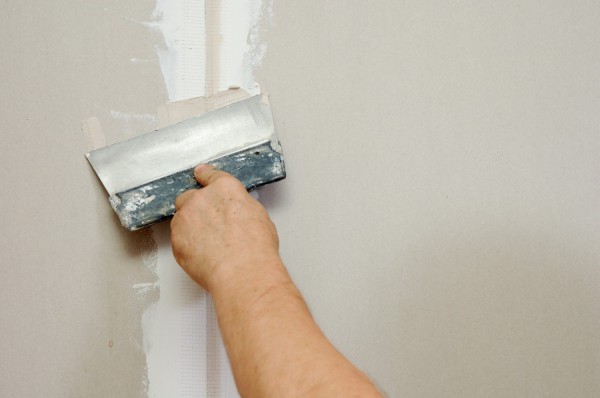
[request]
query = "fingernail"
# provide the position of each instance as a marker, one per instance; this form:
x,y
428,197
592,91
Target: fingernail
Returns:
x,y
199,168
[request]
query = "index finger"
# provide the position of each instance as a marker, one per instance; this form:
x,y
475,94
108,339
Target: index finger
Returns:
x,y
206,174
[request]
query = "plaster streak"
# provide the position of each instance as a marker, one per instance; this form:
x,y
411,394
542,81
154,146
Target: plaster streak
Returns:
x,y
143,288
135,60
137,117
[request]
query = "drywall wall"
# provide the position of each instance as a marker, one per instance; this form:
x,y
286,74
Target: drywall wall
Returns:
x,y
441,212
141,328
70,317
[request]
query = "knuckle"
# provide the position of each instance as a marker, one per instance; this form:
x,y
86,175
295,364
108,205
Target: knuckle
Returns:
x,y
196,198
230,183
197,194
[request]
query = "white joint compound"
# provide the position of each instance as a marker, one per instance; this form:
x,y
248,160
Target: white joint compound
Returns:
x,y
208,46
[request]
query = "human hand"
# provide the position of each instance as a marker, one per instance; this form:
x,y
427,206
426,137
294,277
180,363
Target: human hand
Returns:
x,y
220,229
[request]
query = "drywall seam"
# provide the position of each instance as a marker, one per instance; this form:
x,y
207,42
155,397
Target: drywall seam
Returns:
x,y
182,53
173,327
202,361
205,49
185,109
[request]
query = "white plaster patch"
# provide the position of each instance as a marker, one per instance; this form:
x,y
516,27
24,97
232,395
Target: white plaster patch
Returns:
x,y
182,55
148,326
242,49
261,16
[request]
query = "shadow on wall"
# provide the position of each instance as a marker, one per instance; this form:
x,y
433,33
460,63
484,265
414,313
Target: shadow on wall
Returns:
x,y
272,196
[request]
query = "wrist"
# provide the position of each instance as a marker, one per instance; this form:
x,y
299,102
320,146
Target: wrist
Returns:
x,y
248,271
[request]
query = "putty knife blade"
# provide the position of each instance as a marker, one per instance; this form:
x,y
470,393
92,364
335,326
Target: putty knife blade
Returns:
x,y
145,174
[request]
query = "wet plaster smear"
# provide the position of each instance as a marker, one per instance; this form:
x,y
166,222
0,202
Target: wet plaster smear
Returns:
x,y
203,47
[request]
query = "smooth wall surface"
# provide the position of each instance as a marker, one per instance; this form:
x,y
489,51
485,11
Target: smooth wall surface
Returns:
x,y
69,317
441,212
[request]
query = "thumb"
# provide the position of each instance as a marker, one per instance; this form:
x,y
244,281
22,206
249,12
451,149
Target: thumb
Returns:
x,y
206,174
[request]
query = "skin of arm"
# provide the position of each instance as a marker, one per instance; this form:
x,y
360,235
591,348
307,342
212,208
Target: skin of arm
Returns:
x,y
223,238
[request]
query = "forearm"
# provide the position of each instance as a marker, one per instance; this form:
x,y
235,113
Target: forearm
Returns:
x,y
275,347
226,242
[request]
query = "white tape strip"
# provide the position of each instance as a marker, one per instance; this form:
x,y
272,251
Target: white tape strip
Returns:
x,y
206,50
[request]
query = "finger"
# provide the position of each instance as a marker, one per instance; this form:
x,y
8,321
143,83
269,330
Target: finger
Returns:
x,y
206,174
183,198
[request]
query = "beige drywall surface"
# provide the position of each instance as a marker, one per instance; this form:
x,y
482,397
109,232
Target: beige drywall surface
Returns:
x,y
69,318
440,215
442,209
